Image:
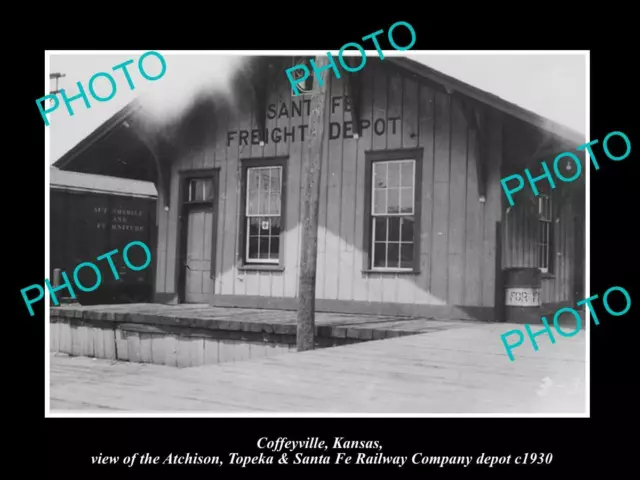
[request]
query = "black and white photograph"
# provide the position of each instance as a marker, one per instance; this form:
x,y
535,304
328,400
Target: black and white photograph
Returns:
x,y
270,233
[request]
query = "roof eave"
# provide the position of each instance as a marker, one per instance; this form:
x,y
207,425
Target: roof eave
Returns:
x,y
102,131
453,85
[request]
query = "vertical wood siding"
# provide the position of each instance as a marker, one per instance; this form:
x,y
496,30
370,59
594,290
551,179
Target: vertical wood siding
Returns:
x,y
520,225
457,238
520,236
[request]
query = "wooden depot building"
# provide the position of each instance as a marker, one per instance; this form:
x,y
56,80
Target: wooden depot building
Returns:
x,y
412,216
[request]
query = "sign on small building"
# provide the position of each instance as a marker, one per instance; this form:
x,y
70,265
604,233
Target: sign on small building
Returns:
x,y
523,297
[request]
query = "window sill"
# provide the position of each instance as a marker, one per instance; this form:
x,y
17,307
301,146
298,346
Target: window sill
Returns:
x,y
547,275
268,268
392,272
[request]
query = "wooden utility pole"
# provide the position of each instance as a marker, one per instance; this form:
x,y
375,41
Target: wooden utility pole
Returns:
x,y
57,77
312,166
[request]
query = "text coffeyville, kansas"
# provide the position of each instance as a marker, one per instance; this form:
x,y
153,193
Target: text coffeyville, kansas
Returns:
x,y
283,451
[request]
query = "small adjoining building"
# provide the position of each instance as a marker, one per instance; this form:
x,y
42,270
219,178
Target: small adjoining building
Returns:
x,y
91,215
412,216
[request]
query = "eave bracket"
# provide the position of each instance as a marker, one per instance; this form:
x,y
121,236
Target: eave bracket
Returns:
x,y
476,120
262,79
160,151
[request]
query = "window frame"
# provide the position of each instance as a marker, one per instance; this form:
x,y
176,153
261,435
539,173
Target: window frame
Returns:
x,y
195,177
243,234
381,156
550,244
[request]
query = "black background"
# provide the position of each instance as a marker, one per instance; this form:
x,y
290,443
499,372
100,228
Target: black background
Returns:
x,y
600,444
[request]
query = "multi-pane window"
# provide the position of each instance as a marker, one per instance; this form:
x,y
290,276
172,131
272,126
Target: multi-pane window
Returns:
x,y
263,214
393,214
200,190
545,233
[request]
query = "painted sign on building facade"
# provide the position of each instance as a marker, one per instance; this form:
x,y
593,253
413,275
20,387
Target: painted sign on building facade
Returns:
x,y
297,133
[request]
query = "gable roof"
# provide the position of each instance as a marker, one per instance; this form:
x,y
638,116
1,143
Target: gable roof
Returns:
x,y
451,84
85,182
99,133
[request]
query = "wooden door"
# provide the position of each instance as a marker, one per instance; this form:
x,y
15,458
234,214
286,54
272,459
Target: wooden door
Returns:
x,y
198,281
198,236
